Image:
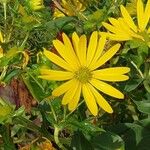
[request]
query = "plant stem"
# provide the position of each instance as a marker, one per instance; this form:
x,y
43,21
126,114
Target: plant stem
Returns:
x,y
25,39
73,111
53,111
56,137
141,74
5,21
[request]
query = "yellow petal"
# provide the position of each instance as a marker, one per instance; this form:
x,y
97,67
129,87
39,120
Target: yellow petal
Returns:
x,y
114,22
112,78
89,99
81,53
112,71
128,18
65,53
127,30
112,74
63,88
140,14
75,41
110,27
100,100
69,49
100,48
146,15
106,88
55,75
92,47
118,37
108,55
74,102
69,95
1,37
57,60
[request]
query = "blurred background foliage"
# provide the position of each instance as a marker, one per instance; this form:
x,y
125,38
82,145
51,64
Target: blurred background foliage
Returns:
x,y
29,117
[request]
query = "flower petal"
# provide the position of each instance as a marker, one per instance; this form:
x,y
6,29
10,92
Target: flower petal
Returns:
x,y
112,78
146,14
127,30
65,53
118,37
55,75
100,100
114,22
89,99
74,102
108,55
63,88
140,14
106,88
109,27
112,71
75,41
100,48
57,60
92,47
69,95
69,48
81,53
128,18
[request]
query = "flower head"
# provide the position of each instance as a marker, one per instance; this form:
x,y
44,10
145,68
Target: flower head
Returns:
x,y
80,61
70,7
125,28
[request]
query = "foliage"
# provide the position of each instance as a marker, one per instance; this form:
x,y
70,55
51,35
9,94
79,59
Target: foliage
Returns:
x,y
30,117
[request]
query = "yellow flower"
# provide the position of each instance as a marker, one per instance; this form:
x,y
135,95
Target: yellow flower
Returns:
x,y
80,61
125,28
69,7
36,4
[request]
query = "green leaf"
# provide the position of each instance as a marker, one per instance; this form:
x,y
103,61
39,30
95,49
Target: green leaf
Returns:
x,y
143,106
95,19
7,140
84,126
107,141
34,85
59,23
131,133
79,142
132,84
144,143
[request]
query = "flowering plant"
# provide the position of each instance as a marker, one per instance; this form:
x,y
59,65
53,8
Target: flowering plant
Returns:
x,y
74,75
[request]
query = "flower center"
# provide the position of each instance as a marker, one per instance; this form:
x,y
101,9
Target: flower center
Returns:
x,y
83,75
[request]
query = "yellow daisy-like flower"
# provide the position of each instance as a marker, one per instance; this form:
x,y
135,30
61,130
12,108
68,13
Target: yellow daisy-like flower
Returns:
x,y
36,4
69,7
125,28
80,61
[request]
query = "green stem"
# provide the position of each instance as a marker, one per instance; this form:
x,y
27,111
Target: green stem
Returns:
x,y
53,111
56,137
64,113
73,111
25,39
141,74
5,20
